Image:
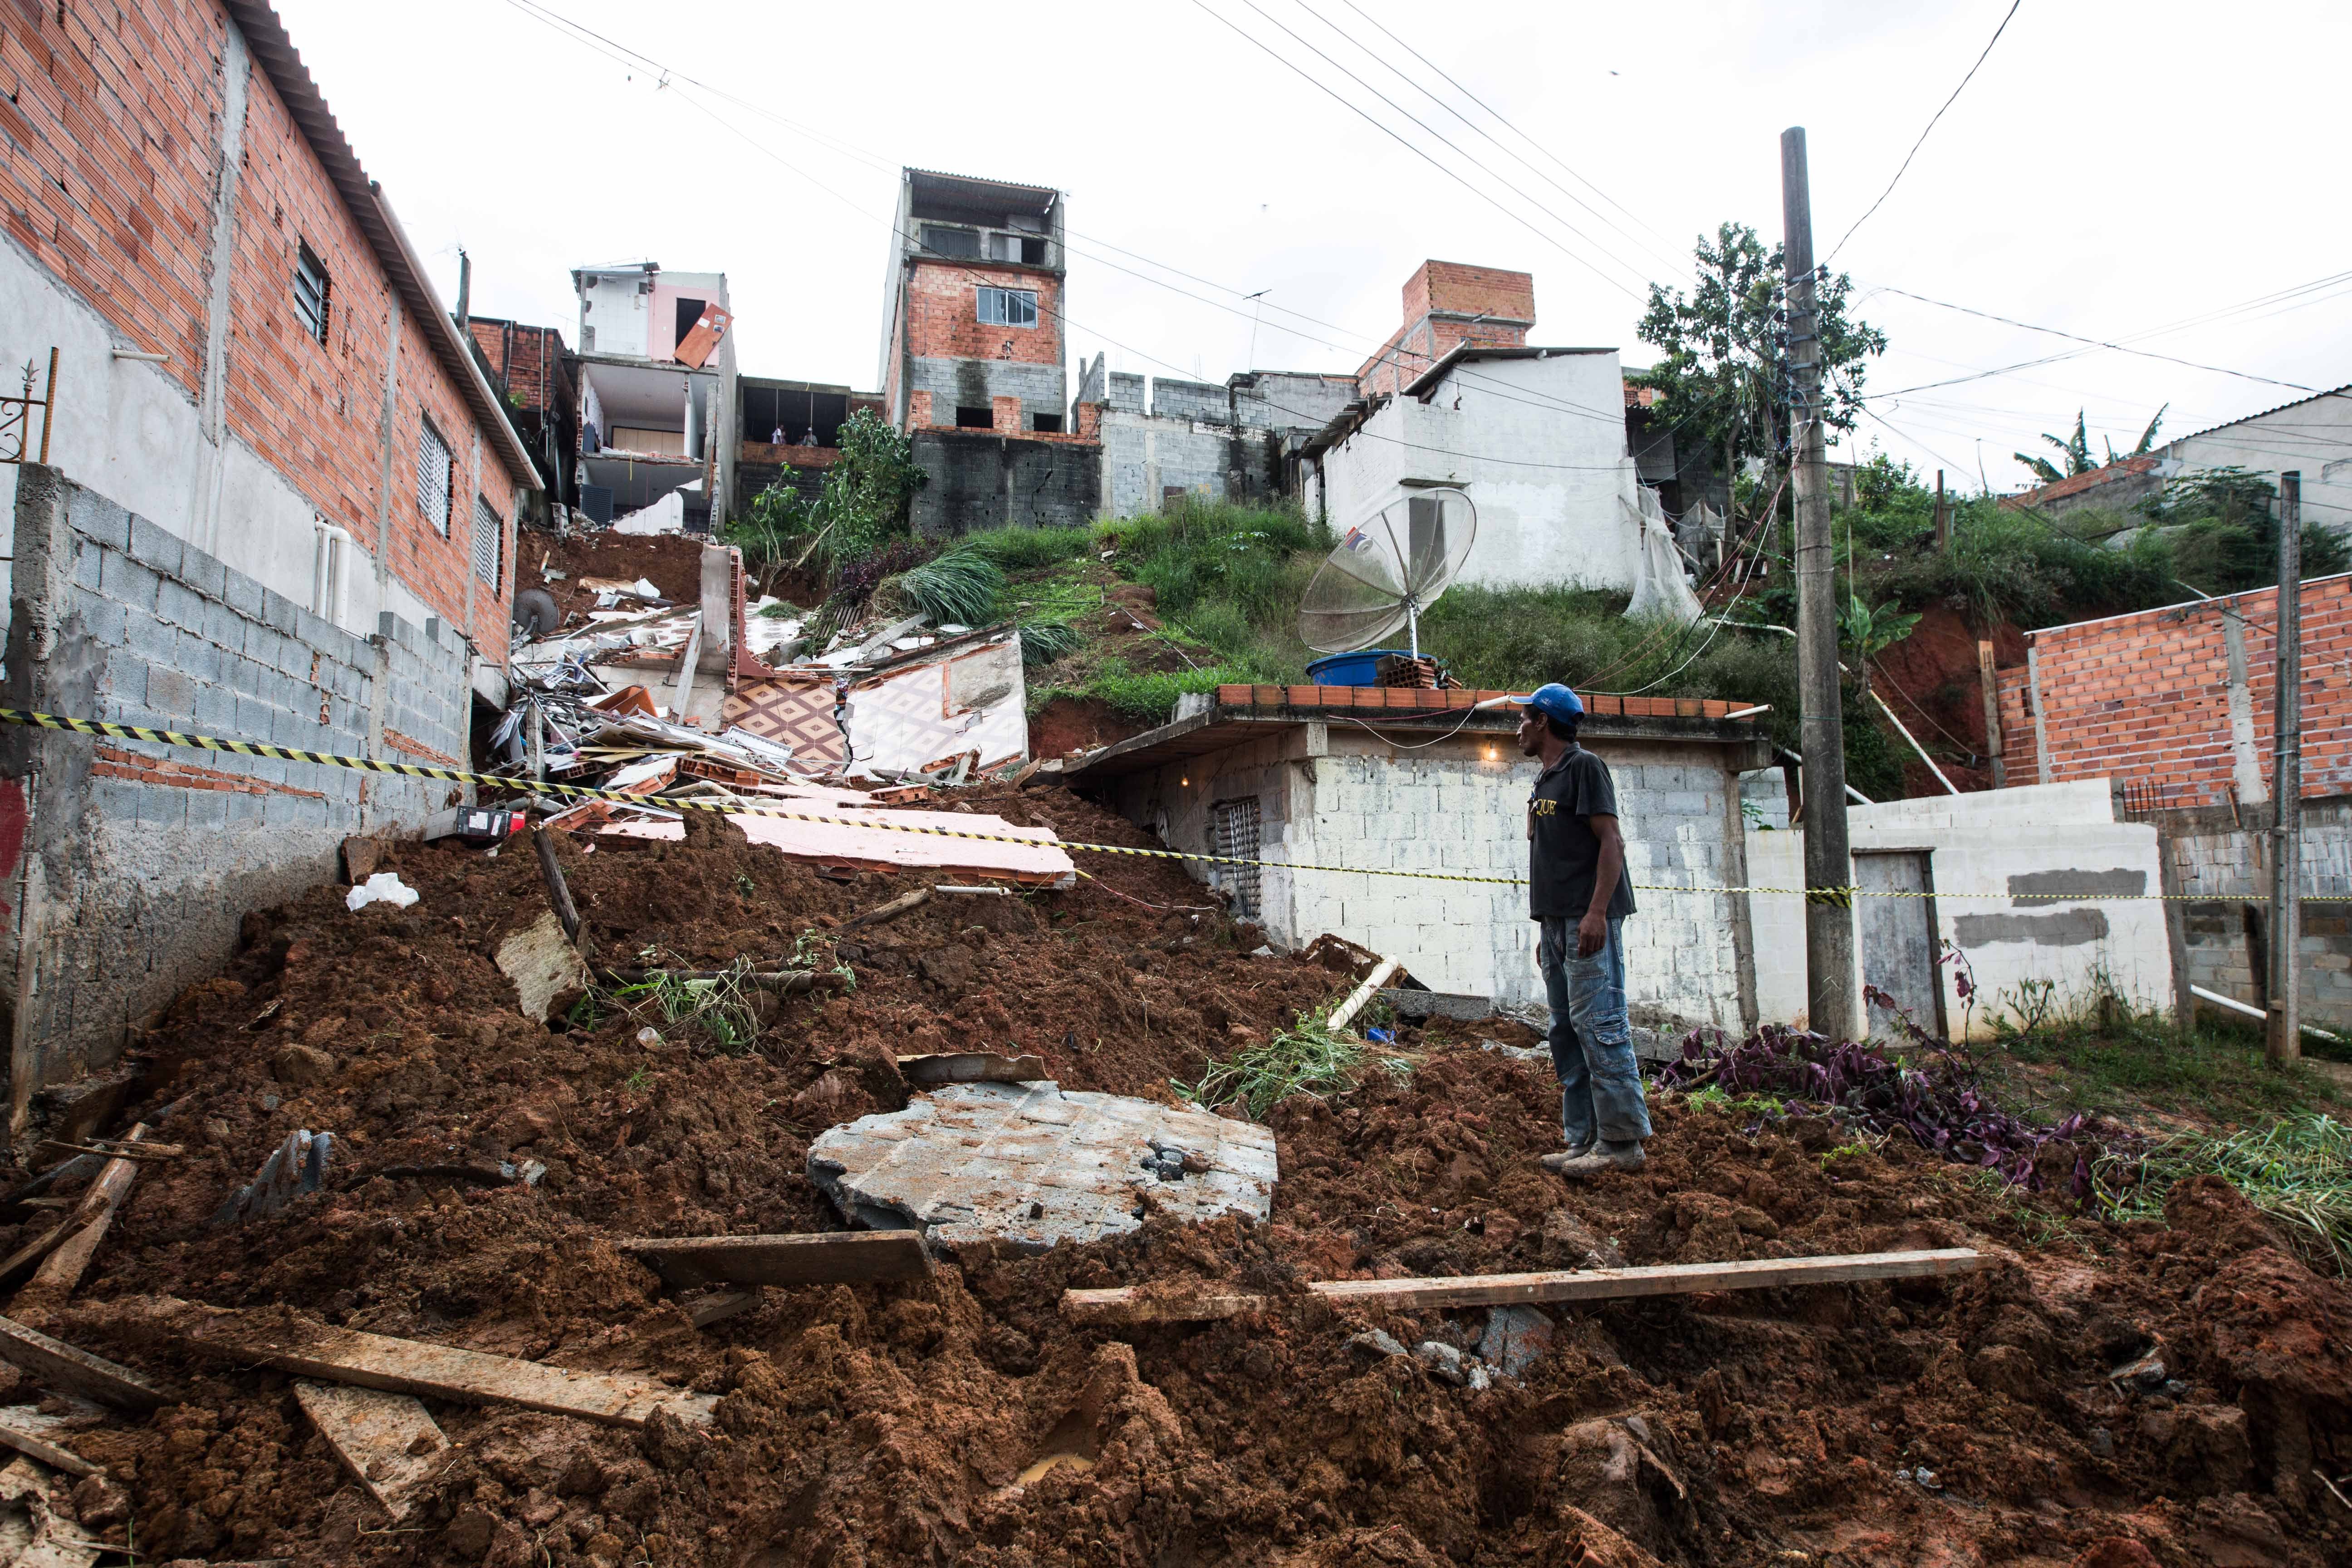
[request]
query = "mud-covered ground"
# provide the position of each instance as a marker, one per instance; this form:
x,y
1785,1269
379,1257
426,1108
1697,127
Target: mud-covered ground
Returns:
x,y
893,1425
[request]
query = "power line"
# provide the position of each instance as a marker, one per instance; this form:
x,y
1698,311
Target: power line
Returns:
x,y
1418,153
1521,158
2078,338
1923,134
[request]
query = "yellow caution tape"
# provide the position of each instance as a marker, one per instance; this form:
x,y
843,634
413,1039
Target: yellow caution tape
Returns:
x,y
1834,897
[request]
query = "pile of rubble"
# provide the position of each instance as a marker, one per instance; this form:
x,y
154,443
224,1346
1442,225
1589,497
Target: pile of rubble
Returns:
x,y
606,1287
629,688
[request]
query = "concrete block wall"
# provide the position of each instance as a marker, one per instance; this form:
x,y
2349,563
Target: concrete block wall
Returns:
x,y
956,384
2225,866
1127,392
141,859
1329,798
2001,862
1203,400
979,480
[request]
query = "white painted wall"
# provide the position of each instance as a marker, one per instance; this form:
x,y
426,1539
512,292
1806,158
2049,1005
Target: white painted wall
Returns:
x,y
127,430
1978,843
1539,446
2314,436
1330,796
610,303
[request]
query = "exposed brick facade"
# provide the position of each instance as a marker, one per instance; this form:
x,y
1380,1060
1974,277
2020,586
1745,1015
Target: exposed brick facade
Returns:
x,y
109,130
526,361
2145,698
944,300
1440,300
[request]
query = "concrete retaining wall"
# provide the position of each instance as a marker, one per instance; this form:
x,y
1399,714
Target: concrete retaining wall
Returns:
x,y
2222,858
135,862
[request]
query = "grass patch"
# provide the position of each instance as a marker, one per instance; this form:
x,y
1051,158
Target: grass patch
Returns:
x,y
720,1008
2138,1064
2298,1171
959,588
1311,1058
1030,548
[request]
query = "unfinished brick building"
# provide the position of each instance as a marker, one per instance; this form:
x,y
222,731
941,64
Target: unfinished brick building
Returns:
x,y
1447,304
277,504
973,362
535,372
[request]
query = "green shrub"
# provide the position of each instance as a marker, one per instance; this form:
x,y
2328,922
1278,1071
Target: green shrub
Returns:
x,y
1030,548
960,587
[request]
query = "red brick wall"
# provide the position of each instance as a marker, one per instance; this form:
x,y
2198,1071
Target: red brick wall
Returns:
x,y
106,160
1421,342
529,361
2145,698
1472,291
946,309
106,176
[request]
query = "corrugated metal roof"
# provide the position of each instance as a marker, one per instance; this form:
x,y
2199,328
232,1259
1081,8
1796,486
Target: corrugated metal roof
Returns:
x,y
2297,402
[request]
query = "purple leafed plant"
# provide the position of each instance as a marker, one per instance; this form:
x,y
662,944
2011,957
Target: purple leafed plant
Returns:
x,y
1937,1098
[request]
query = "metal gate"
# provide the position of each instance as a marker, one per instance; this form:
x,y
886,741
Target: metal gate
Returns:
x,y
1235,824
1898,936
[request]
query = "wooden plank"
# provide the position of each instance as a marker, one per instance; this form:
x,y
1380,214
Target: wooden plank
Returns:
x,y
22,1429
62,1269
294,1345
69,1371
891,910
387,1439
720,1306
1134,1304
850,1258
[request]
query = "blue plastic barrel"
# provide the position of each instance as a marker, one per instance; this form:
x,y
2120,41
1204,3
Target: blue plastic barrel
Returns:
x,y
1361,668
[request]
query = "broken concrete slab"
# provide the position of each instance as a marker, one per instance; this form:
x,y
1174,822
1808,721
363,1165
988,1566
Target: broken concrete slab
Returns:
x,y
1033,1166
544,965
387,1439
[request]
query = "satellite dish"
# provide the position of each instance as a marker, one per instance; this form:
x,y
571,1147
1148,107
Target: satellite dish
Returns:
x,y
1386,572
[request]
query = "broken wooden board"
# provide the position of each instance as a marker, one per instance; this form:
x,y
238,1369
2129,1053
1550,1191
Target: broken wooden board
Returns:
x,y
1139,1304
294,1345
544,965
62,1269
24,1428
387,1439
973,1067
849,1257
69,1371
720,1306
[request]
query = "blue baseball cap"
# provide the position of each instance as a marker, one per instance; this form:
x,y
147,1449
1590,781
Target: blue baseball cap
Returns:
x,y
1553,701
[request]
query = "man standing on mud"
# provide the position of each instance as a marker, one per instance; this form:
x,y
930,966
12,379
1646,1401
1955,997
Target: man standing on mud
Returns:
x,y
1579,896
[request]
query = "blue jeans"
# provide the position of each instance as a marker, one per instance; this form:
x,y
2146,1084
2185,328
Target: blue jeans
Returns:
x,y
1592,1044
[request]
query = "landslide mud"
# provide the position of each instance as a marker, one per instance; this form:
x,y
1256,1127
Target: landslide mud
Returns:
x,y
893,1425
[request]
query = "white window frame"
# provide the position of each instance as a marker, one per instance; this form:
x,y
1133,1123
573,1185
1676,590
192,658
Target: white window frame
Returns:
x,y
490,542
436,476
1002,299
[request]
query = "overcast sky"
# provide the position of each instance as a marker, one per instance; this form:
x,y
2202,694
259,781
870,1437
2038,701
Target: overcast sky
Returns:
x,y
2112,170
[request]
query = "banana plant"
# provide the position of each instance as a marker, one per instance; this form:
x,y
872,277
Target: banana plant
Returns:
x,y
1866,633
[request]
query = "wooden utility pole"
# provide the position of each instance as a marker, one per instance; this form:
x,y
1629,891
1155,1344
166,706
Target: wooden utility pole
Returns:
x,y
1943,515
1993,714
2286,1031
1828,869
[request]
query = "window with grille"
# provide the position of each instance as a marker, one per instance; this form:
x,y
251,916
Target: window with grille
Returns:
x,y
433,477
1235,824
490,542
311,289
1008,307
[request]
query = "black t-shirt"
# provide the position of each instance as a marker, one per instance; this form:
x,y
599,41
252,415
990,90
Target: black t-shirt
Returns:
x,y
1563,853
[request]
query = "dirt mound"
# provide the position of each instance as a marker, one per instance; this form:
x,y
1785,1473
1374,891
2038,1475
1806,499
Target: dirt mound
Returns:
x,y
960,1419
672,562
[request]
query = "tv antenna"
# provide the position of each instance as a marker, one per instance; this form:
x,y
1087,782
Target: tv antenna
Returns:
x,y
1386,572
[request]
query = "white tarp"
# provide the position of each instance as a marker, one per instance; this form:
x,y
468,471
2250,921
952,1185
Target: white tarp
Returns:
x,y
1660,588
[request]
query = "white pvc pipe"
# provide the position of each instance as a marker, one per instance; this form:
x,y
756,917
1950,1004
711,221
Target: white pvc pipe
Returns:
x,y
1362,993
1915,746
2235,1005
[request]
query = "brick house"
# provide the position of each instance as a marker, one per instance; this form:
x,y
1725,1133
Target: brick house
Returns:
x,y
972,364
1447,304
249,353
539,377
278,503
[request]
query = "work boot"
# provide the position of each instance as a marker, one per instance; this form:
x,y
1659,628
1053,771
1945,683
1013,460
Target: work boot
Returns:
x,y
1573,1152
1605,1157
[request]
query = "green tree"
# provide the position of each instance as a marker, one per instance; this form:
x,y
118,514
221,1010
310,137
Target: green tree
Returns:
x,y
2077,450
1724,373
866,500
